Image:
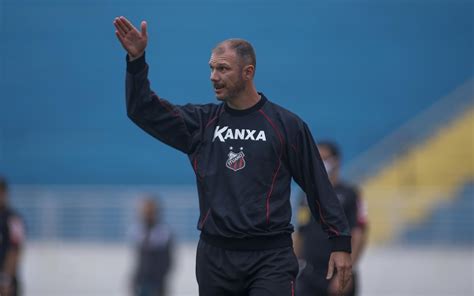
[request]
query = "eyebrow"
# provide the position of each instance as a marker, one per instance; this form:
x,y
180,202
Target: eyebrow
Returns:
x,y
218,64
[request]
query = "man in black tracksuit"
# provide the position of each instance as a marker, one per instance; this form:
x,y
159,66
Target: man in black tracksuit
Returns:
x,y
244,152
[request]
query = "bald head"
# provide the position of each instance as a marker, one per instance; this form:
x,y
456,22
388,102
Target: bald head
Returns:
x,y
242,48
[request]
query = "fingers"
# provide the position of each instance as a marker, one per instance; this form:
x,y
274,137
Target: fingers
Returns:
x,y
128,25
342,280
346,277
123,25
143,28
340,266
120,38
330,268
121,29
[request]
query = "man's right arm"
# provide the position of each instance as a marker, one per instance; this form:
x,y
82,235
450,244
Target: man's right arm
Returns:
x,y
168,123
176,126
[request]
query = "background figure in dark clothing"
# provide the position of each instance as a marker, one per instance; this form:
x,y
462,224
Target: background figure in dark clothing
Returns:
x,y
153,242
312,245
12,236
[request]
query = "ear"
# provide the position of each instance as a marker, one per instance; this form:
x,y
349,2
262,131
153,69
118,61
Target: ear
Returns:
x,y
337,163
248,72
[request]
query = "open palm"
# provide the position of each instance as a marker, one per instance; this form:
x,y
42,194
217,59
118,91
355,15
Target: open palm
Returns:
x,y
133,41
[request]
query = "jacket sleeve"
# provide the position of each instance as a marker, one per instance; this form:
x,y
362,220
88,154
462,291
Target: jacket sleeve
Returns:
x,y
309,173
177,126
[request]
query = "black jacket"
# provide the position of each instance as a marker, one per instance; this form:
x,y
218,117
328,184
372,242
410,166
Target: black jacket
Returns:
x,y
243,160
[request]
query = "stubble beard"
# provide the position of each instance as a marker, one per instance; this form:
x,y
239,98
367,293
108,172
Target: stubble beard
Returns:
x,y
234,92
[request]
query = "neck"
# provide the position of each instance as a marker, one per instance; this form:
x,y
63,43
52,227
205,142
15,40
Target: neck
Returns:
x,y
246,99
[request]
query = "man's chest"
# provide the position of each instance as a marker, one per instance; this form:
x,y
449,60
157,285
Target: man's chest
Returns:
x,y
242,143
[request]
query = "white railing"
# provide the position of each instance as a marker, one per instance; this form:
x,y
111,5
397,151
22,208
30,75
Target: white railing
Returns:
x,y
100,213
106,213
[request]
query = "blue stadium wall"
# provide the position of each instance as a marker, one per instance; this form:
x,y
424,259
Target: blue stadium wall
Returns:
x,y
354,70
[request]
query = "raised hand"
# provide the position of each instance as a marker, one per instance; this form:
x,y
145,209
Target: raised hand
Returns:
x,y
133,41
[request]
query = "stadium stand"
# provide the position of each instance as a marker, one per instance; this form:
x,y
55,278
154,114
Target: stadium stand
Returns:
x,y
450,223
423,174
368,65
356,71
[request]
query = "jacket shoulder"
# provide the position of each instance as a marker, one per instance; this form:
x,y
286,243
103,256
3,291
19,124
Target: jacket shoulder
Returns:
x,y
288,118
209,108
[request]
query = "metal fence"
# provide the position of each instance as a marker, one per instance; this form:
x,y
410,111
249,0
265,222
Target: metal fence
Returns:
x,y
107,213
100,213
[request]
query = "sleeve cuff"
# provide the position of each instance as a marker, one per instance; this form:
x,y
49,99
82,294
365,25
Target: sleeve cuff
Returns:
x,y
136,66
341,244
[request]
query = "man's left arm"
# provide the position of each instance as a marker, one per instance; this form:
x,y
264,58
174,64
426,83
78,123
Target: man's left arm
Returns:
x,y
308,171
356,214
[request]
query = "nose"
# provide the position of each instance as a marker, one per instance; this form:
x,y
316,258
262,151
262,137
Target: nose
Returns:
x,y
214,77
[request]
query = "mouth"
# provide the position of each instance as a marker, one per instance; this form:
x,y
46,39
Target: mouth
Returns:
x,y
218,87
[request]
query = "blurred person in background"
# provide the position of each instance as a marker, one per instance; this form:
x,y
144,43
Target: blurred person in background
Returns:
x,y
153,242
311,243
12,236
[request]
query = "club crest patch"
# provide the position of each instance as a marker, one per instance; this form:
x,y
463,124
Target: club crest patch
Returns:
x,y
236,161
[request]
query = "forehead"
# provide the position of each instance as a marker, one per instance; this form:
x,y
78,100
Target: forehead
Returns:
x,y
223,55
